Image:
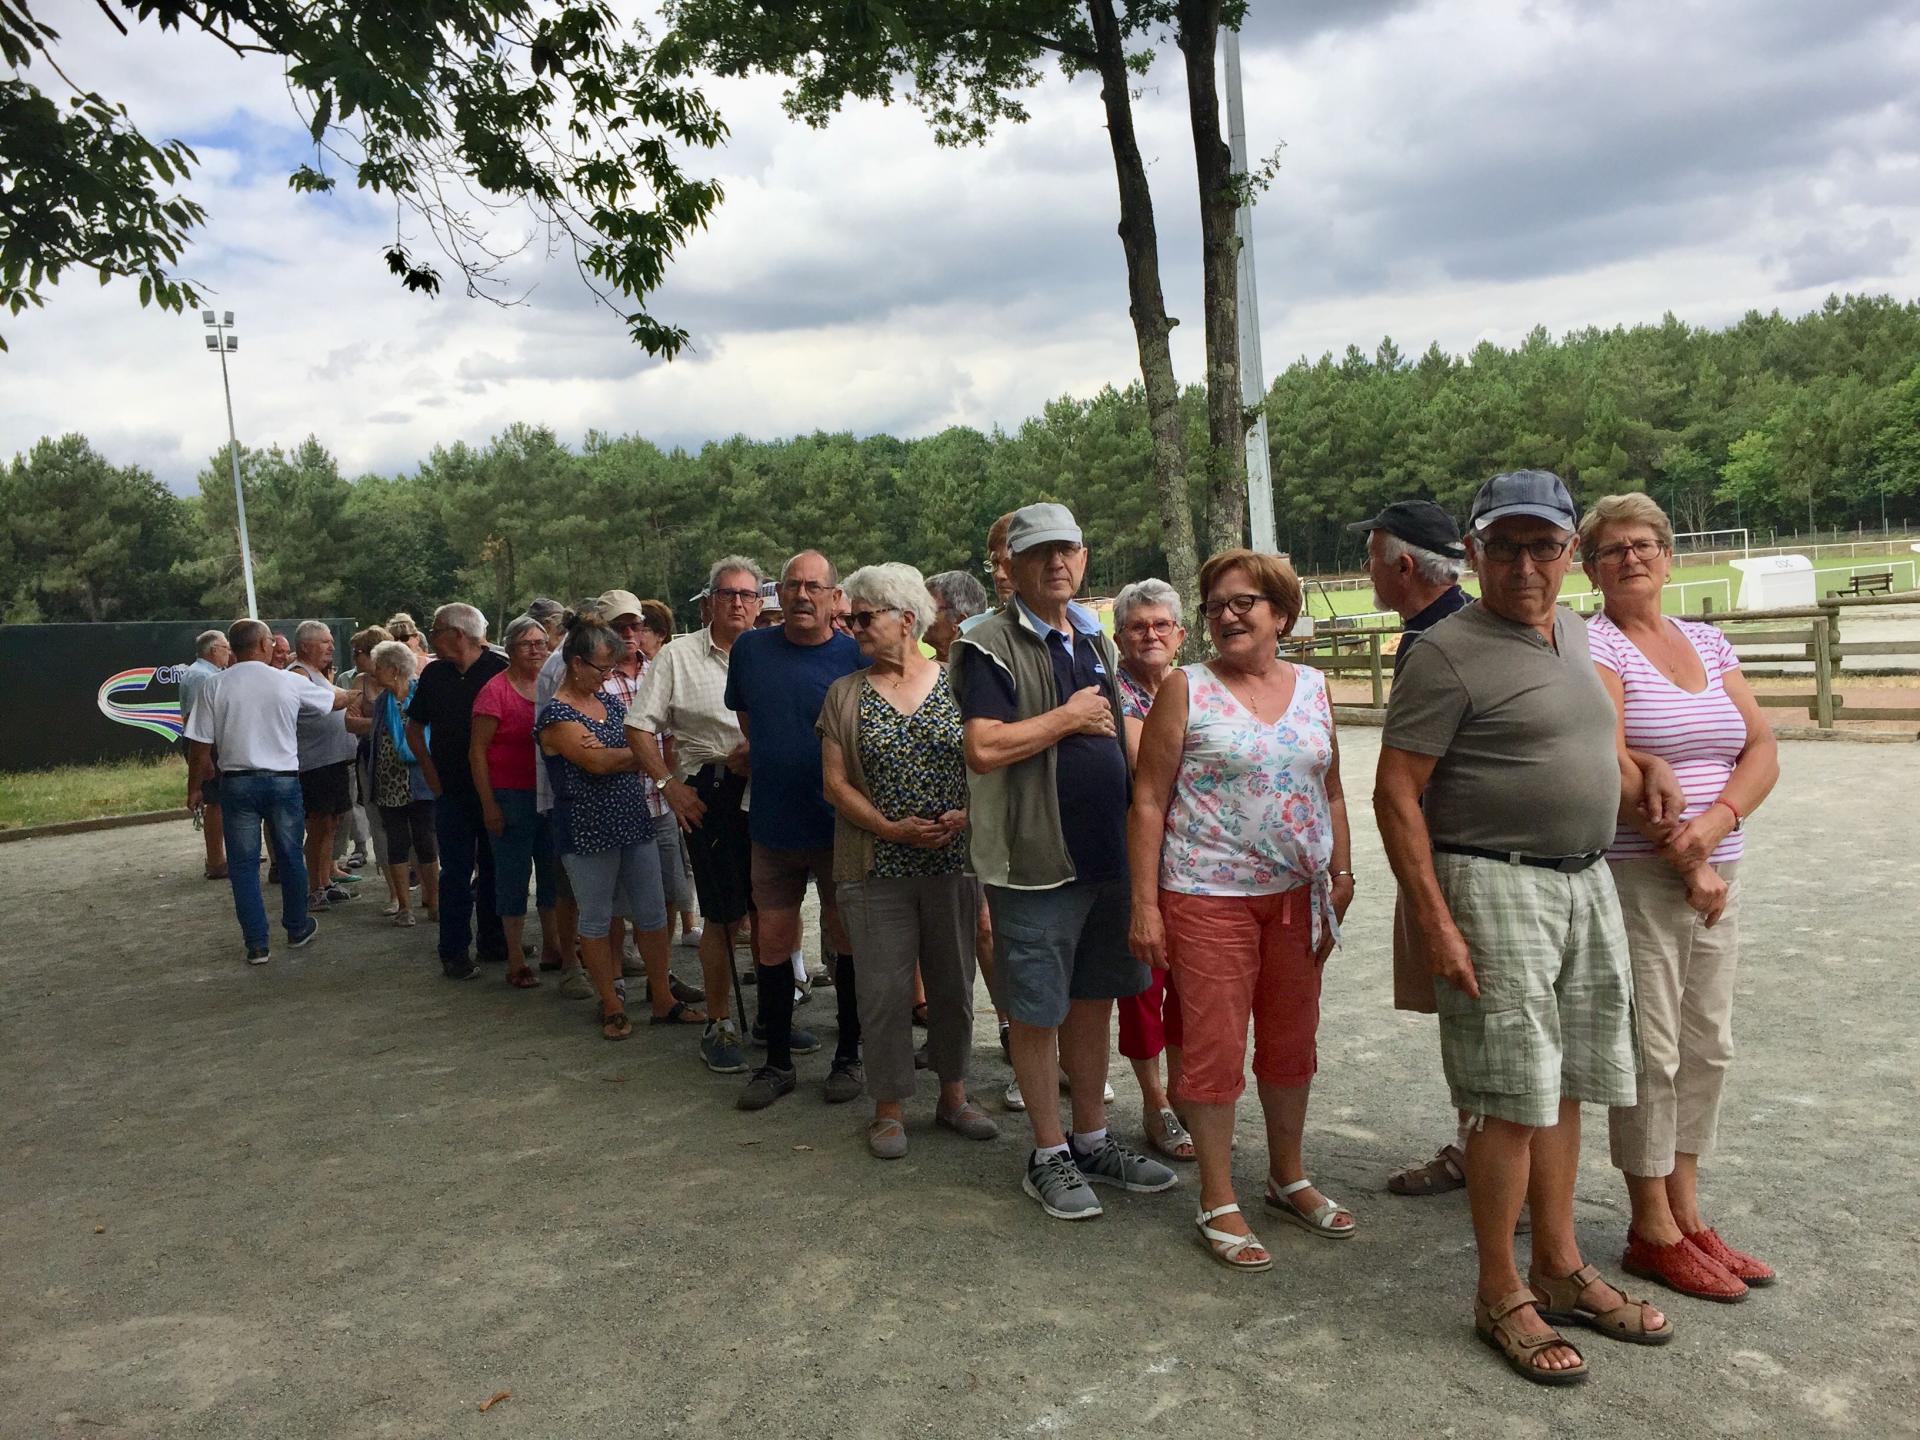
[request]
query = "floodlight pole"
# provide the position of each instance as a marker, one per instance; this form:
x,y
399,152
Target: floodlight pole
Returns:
x,y
1253,375
220,343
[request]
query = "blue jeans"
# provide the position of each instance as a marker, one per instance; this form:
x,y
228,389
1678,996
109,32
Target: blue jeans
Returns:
x,y
523,851
245,802
466,879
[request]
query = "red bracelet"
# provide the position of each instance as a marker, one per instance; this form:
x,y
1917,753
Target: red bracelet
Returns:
x,y
1738,818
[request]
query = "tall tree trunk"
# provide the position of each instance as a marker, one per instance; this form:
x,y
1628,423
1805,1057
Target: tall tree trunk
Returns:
x,y
1226,458
1148,307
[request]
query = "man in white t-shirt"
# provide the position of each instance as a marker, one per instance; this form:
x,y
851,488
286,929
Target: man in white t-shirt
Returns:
x,y
249,715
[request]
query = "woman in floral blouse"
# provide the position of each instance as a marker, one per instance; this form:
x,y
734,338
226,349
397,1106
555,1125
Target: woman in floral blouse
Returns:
x,y
1239,849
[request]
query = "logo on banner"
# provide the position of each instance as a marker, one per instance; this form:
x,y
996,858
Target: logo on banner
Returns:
x,y
157,717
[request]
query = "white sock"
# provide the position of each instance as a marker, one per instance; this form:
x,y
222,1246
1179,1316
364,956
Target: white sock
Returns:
x,y
1040,1152
1460,1134
1088,1142
799,962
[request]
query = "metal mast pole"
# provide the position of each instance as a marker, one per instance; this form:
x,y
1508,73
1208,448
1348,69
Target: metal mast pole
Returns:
x,y
233,455
1253,375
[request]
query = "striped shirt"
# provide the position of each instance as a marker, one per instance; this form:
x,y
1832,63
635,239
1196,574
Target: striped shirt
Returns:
x,y
1700,736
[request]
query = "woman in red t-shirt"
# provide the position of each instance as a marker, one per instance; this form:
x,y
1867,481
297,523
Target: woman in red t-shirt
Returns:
x,y
501,753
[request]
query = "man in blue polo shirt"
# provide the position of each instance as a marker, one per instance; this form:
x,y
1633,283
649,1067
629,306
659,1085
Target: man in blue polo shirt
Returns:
x,y
1049,783
776,680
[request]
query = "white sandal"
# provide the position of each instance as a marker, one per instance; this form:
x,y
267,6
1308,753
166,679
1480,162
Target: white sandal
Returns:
x,y
1224,1245
1320,1221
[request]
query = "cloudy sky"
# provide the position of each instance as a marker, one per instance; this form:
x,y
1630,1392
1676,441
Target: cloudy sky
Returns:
x,y
1453,170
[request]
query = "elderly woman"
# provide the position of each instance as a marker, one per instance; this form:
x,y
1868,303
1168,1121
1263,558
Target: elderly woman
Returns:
x,y
1148,633
400,792
500,750
1681,697
1238,845
601,825
893,769
404,628
656,629
367,840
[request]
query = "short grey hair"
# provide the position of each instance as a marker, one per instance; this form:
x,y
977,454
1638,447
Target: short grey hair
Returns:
x,y
546,610
204,642
464,618
518,626
1430,565
728,564
1146,592
309,630
891,586
395,655
959,592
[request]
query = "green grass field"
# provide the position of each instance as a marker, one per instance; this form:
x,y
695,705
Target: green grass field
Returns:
x,y
87,792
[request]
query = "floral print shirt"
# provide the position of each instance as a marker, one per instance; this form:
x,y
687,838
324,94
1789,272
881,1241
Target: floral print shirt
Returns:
x,y
1249,814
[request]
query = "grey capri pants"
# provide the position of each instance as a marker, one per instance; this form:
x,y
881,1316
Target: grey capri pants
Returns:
x,y
626,879
894,923
675,884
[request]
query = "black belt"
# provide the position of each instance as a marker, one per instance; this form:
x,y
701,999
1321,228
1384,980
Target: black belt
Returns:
x,y
294,773
1565,864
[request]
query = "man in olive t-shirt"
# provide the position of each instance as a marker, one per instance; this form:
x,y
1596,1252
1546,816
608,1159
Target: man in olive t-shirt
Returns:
x,y
1499,783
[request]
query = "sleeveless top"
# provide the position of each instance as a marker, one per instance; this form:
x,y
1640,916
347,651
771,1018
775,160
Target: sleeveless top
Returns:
x,y
914,765
1249,814
592,813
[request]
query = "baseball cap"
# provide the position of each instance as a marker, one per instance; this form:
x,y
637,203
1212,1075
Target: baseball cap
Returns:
x,y
1042,524
616,603
1538,493
1418,522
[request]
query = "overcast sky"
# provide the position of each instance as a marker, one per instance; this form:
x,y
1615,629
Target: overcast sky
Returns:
x,y
1453,171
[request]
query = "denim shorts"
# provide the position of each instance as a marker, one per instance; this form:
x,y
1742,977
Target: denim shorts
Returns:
x,y
1052,947
625,880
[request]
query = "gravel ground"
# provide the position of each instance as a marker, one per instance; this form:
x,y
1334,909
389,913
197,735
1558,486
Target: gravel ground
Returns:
x,y
338,1196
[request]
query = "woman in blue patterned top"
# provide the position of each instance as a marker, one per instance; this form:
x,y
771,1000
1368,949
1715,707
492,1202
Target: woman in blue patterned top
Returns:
x,y
601,825
893,770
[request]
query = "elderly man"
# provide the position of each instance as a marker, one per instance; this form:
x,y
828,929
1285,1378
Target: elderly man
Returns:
x,y
1498,788
249,718
684,695
999,569
776,683
1415,558
282,655
1049,783
957,598
442,711
212,654
327,752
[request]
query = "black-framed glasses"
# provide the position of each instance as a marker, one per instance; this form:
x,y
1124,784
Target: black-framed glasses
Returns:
x,y
861,619
601,670
1645,550
1541,552
1238,604
737,597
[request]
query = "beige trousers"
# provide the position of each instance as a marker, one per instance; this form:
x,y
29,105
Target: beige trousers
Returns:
x,y
1683,991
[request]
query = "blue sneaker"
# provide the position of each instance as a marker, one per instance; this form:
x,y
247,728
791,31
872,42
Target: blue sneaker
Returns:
x,y
720,1048
313,929
804,1042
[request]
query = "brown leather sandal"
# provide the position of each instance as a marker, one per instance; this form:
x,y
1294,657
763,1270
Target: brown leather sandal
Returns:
x,y
1446,1171
1520,1351
1559,1304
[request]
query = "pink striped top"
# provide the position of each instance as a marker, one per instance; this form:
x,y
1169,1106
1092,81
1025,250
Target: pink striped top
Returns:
x,y
1700,736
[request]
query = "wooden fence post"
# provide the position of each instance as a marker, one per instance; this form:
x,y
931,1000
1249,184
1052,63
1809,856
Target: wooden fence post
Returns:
x,y
1373,657
1822,674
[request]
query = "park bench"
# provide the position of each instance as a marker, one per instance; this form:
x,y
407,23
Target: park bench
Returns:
x,y
1875,582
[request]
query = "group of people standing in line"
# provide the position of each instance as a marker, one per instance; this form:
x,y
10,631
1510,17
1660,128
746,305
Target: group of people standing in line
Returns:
x,y
1088,824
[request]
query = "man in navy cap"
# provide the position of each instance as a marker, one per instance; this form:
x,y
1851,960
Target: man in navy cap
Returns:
x,y
1414,558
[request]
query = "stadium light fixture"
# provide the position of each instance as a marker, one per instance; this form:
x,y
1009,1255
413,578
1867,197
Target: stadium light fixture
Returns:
x,y
223,343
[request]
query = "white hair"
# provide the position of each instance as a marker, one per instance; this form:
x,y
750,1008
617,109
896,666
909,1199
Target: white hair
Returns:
x,y
395,655
204,642
1429,565
892,586
1146,592
959,592
310,630
464,618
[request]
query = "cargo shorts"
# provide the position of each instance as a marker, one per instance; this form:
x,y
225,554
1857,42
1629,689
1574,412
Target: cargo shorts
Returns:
x,y
1554,1020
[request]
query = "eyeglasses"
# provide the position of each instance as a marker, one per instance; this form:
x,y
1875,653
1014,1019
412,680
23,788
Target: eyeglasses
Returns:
x,y
1141,629
600,670
1542,552
736,597
1239,604
806,587
861,619
628,627
1644,550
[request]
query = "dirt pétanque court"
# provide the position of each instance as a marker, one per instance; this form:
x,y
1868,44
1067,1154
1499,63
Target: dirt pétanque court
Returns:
x,y
339,1196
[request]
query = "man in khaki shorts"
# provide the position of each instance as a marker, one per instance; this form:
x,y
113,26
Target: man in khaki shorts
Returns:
x,y
1499,784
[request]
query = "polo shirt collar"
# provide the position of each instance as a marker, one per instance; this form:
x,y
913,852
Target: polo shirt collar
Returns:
x,y
1078,616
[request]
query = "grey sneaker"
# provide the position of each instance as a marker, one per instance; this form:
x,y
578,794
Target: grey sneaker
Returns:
x,y
845,1082
1058,1185
338,894
1114,1164
574,985
720,1048
767,1085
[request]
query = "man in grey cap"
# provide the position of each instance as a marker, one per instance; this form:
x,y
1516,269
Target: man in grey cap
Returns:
x,y
1499,784
1047,775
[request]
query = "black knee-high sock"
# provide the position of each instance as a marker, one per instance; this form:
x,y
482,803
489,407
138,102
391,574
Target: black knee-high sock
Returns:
x,y
848,1004
776,1013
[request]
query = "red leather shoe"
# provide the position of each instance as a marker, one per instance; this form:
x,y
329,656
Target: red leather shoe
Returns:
x,y
1681,1267
1735,1262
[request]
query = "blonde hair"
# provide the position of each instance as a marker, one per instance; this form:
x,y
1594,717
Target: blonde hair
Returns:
x,y
1633,508
368,638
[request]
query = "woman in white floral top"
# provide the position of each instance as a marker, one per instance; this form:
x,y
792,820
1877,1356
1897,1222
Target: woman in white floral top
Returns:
x,y
1238,844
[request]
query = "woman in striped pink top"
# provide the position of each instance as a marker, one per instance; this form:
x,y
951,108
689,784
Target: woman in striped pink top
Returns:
x,y
1681,697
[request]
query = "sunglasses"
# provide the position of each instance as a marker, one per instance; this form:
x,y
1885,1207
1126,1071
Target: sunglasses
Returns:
x,y
861,619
